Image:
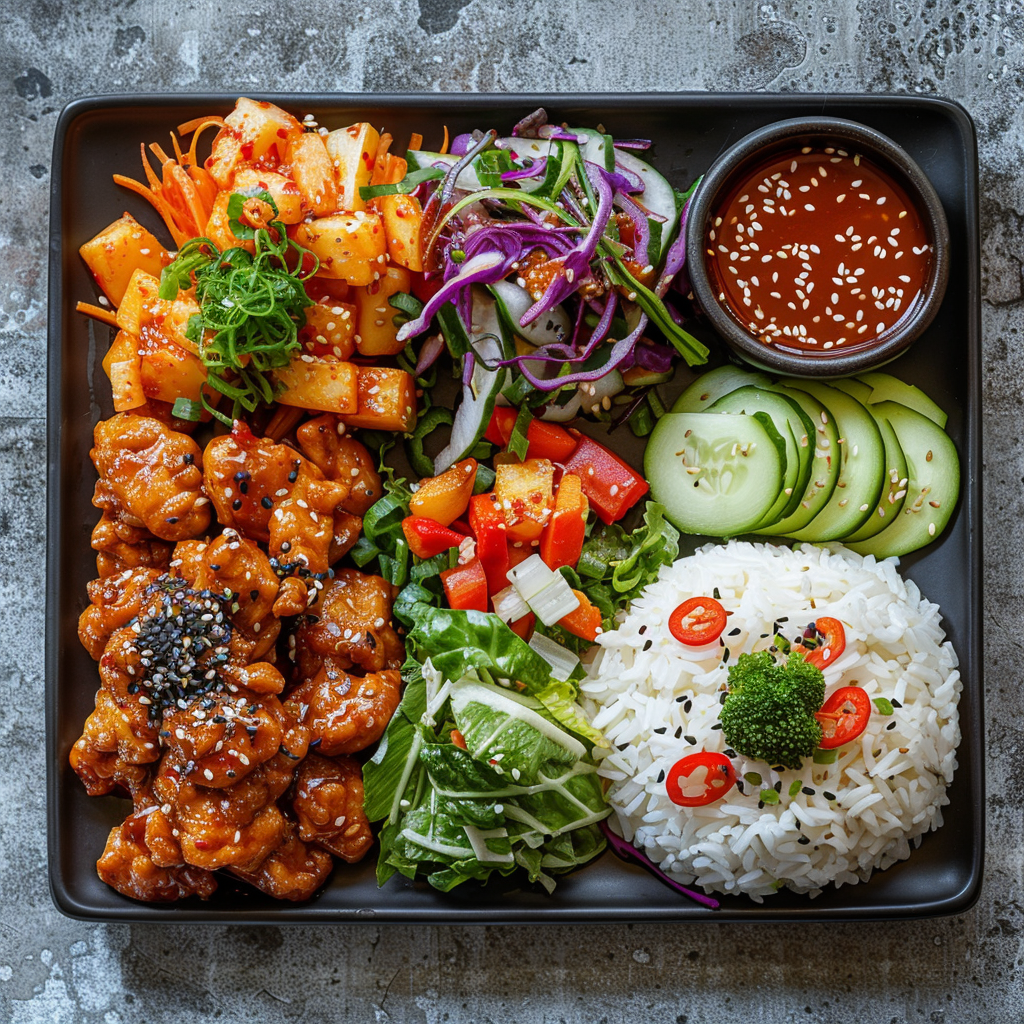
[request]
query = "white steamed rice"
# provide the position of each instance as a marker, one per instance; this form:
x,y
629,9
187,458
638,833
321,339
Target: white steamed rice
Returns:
x,y
656,701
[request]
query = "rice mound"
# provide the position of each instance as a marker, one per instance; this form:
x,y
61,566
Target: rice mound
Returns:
x,y
656,701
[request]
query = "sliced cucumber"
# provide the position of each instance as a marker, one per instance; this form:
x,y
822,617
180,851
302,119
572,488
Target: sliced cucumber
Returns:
x,y
598,149
823,447
716,475
469,180
887,388
793,428
861,466
894,482
854,388
933,483
513,302
709,387
659,199
489,342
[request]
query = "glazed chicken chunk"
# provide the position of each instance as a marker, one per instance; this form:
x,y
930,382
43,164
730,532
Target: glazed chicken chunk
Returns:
x,y
327,798
149,476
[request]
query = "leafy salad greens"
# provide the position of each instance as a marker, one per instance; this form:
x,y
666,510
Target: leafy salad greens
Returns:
x,y
487,764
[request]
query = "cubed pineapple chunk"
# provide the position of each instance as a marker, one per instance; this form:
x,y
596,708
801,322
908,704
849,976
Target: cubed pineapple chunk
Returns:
x,y
330,329
325,385
350,246
387,400
117,251
376,333
353,151
525,492
254,130
313,171
287,196
403,226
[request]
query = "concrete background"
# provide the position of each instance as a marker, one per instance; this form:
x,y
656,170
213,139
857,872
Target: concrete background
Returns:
x,y
52,969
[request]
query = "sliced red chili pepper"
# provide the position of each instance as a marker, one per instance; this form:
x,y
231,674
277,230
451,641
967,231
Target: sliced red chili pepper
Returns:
x,y
833,642
843,717
698,621
718,778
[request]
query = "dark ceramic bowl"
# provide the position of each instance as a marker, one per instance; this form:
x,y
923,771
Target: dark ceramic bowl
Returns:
x,y
781,137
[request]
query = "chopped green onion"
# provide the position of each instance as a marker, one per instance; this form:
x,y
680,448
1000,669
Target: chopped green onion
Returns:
x,y
485,477
405,186
882,705
642,421
408,306
769,796
753,778
517,441
824,756
794,787
186,409
436,416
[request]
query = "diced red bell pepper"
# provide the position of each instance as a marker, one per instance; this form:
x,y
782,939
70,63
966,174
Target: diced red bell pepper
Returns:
x,y
585,621
519,554
427,537
465,586
499,430
611,485
562,540
523,627
546,440
487,521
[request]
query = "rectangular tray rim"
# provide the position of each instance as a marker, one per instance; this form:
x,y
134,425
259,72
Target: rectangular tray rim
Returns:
x,y
307,914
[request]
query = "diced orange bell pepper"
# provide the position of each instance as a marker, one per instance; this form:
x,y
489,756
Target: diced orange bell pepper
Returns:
x,y
546,440
612,486
562,540
427,537
444,498
525,493
487,521
465,586
523,627
585,621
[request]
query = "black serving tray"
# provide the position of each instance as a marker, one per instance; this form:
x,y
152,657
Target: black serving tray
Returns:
x,y
96,137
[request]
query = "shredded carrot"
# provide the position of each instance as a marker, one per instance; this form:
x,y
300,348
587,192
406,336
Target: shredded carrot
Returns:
x,y
284,420
380,162
415,141
200,128
199,123
444,147
107,316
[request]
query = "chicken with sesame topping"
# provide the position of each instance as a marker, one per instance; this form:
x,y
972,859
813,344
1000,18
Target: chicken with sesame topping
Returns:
x,y
149,476
120,546
327,798
294,871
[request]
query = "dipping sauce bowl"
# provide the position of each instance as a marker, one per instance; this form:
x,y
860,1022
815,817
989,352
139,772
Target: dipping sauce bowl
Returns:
x,y
817,248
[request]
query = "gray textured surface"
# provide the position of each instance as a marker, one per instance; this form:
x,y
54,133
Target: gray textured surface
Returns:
x,y
52,969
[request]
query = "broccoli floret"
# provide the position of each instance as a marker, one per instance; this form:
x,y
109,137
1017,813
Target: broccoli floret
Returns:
x,y
769,712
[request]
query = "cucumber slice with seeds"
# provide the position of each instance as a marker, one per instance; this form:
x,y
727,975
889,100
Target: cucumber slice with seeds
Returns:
x,y
861,466
709,387
894,486
933,483
715,475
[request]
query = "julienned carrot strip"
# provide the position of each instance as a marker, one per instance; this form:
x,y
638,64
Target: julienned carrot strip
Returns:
x,y
107,316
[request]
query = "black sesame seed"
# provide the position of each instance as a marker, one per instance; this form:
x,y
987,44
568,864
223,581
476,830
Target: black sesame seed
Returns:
x,y
807,791
724,696
827,795
729,752
243,487
778,786
891,725
661,730
230,773
648,644
717,725
895,703
679,733
293,476
692,740
188,458
803,841
679,700
267,502
285,546
254,595
661,776
618,746
642,629
236,504
687,706
725,655
316,743
735,632
716,594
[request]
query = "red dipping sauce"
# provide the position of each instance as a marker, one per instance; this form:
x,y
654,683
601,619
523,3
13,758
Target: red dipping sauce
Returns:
x,y
817,250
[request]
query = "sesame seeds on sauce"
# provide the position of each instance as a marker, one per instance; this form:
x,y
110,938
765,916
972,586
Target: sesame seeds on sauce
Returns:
x,y
818,249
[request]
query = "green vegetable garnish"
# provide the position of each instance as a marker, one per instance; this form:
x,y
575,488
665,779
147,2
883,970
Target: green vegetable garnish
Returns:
x,y
251,305
769,712
883,706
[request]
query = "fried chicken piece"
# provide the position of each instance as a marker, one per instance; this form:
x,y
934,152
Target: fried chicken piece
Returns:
x,y
354,626
343,458
120,546
236,826
114,601
150,476
127,865
294,871
110,753
221,738
230,563
346,713
327,798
